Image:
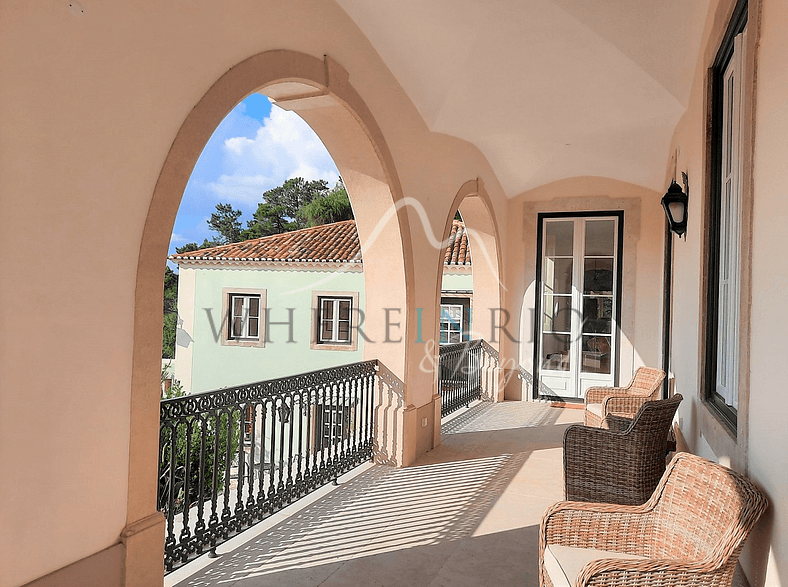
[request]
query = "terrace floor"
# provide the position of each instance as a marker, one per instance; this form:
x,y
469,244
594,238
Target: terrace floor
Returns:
x,y
467,513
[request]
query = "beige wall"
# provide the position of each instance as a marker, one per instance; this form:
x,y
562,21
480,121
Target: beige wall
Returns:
x,y
758,446
91,107
641,302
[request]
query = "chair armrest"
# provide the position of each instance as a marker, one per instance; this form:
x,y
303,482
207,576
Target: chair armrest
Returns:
x,y
623,405
597,525
617,423
595,395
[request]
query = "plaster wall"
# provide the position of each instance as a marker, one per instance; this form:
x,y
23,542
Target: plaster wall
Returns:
x,y
768,432
91,107
755,447
214,365
457,281
641,301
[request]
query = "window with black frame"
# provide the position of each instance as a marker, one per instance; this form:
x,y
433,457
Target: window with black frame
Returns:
x,y
725,216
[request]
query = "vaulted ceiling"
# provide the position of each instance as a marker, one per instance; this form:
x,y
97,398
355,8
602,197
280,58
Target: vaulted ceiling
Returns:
x,y
546,89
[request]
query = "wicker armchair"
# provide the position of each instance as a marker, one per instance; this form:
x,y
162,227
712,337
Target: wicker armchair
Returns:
x,y
626,401
622,464
690,532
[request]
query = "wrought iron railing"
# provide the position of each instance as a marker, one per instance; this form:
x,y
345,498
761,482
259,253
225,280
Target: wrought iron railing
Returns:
x,y
230,458
459,374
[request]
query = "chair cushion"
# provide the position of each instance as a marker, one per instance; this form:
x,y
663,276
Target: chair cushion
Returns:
x,y
595,409
564,563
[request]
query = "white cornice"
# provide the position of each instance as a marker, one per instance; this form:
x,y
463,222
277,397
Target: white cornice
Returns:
x,y
263,264
310,265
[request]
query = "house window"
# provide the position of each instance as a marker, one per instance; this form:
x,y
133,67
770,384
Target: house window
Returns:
x,y
333,425
451,323
455,314
335,320
723,296
335,317
244,317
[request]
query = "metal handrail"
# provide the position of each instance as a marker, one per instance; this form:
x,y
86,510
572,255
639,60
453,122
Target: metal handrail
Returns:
x,y
232,457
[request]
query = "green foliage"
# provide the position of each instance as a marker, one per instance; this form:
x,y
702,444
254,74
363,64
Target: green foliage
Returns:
x,y
170,314
187,449
168,335
333,207
206,244
225,222
268,219
280,210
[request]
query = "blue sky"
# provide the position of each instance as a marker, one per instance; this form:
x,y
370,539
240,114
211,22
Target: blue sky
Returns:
x,y
255,148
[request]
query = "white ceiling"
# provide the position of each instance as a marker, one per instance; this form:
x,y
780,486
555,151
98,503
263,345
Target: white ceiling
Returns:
x,y
546,89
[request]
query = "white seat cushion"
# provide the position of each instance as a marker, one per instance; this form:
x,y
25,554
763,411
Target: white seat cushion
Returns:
x,y
595,409
564,563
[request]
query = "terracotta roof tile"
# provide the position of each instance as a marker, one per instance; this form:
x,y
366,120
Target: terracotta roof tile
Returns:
x,y
336,242
457,252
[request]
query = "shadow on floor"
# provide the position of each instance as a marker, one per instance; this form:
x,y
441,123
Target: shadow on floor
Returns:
x,y
419,525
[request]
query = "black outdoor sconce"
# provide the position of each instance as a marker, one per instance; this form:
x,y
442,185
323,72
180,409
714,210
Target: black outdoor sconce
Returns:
x,y
676,205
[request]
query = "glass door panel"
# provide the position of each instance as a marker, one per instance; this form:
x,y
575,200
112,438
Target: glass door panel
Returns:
x,y
578,304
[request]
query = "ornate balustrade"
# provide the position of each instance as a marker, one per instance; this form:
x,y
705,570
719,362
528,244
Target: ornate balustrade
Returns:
x,y
232,457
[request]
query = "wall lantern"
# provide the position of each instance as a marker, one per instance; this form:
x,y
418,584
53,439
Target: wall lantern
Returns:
x,y
675,202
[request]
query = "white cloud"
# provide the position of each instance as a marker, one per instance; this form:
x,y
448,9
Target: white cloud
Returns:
x,y
177,238
284,147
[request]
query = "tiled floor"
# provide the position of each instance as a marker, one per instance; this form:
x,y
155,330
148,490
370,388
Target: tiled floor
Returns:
x,y
466,514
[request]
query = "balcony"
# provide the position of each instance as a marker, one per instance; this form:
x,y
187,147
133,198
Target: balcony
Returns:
x,y
467,513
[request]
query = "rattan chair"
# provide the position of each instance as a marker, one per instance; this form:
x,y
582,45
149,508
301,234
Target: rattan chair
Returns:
x,y
624,401
621,464
690,532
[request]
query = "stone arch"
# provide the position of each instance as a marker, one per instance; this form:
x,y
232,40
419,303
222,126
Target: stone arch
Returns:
x,y
477,212
318,90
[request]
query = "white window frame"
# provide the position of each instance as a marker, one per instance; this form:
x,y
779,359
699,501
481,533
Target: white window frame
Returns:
x,y
455,328
335,320
334,343
231,338
246,320
729,277
565,375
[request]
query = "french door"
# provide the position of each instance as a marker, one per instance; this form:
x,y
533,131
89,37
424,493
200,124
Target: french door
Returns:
x,y
578,304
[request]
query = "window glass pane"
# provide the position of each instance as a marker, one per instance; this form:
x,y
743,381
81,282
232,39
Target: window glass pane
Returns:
x,y
600,238
559,238
558,275
597,315
326,330
451,313
557,313
237,332
344,309
344,330
328,309
444,337
595,354
555,352
254,306
598,276
238,305
253,327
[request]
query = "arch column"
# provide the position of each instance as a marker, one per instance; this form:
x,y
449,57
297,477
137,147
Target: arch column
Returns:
x,y
319,90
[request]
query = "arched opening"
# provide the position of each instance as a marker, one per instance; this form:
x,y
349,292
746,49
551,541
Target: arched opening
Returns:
x,y
319,91
470,346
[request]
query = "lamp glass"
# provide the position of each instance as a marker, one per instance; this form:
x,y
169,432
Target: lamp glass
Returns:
x,y
678,212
